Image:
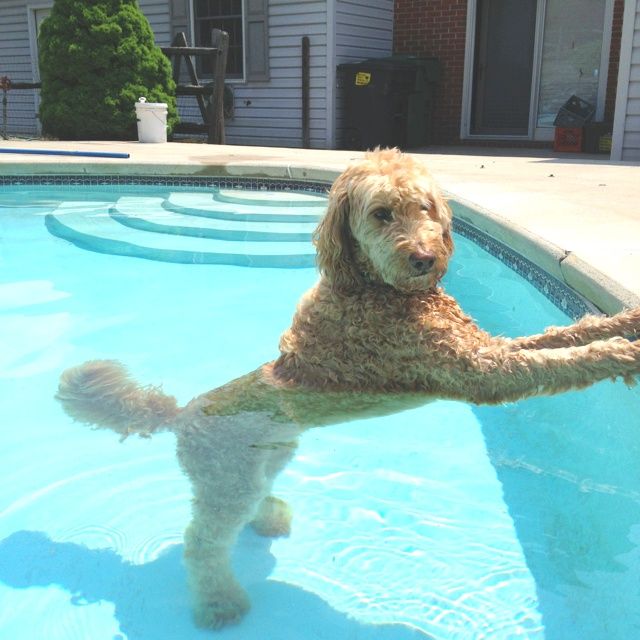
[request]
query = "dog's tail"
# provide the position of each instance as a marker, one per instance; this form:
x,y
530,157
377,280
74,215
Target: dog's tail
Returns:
x,y
101,392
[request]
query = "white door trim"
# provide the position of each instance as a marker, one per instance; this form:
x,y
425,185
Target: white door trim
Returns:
x,y
33,50
604,60
33,36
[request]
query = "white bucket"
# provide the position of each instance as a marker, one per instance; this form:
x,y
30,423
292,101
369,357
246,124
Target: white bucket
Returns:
x,y
152,121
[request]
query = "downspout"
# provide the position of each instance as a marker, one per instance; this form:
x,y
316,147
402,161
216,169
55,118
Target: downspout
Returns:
x,y
306,132
330,110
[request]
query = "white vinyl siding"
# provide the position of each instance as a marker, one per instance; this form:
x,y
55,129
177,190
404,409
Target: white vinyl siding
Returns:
x,y
157,13
626,126
15,62
631,149
270,113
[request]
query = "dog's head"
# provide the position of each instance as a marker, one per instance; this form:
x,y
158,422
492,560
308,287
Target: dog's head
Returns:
x,y
387,222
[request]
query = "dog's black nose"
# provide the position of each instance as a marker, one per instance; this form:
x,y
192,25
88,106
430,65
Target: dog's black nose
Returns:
x,y
422,261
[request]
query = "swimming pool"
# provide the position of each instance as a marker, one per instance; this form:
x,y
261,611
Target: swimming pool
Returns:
x,y
478,522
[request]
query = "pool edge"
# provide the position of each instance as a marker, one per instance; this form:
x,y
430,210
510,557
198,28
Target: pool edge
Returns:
x,y
604,292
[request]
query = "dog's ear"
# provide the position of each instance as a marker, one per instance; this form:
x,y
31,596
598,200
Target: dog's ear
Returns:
x,y
334,241
447,219
448,242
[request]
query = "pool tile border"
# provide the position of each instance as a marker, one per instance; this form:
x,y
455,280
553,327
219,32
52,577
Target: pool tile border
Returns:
x,y
560,294
226,182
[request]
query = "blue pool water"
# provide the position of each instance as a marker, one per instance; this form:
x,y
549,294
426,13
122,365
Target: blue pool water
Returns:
x,y
445,522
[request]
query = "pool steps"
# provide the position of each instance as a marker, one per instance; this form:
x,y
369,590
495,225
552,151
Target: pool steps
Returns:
x,y
203,205
147,215
195,228
285,199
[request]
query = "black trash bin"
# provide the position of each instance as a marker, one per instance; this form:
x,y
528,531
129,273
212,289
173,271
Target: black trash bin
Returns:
x,y
388,102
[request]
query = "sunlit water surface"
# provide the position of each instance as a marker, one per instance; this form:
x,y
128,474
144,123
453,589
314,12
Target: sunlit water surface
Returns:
x,y
448,521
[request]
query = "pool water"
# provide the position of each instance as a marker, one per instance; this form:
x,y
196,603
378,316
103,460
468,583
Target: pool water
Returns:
x,y
450,521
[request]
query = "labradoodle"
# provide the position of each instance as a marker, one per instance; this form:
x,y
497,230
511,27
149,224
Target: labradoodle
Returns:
x,y
375,335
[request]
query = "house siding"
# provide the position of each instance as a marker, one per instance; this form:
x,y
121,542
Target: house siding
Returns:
x,y
626,126
157,13
15,62
270,113
364,29
631,142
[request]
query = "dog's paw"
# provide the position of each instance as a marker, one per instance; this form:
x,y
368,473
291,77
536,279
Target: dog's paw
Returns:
x,y
628,323
273,519
221,609
634,332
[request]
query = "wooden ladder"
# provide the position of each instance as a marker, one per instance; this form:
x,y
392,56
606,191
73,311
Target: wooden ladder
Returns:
x,y
210,95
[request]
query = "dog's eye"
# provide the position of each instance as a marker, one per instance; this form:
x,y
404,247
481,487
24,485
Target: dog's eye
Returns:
x,y
384,215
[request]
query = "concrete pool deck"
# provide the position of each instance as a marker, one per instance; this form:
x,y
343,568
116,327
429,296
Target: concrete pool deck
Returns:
x,y
576,216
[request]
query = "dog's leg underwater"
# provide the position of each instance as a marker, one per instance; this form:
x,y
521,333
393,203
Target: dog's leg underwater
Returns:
x,y
231,466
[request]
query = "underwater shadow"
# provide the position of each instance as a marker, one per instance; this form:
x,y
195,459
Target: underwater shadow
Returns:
x,y
574,507
152,601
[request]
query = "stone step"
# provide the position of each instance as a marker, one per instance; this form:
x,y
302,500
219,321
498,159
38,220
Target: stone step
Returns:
x,y
92,226
204,204
280,199
148,214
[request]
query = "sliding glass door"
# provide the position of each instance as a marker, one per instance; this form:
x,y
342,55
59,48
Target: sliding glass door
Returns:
x,y
571,55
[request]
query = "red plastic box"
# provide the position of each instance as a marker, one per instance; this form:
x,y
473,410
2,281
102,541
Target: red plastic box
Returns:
x,y
568,139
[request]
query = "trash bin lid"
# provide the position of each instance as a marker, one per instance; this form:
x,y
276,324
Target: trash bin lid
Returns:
x,y
429,67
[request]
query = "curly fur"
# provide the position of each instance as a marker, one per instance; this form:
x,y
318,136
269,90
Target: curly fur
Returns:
x,y
376,335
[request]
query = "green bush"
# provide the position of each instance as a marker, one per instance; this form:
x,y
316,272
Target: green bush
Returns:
x,y
97,57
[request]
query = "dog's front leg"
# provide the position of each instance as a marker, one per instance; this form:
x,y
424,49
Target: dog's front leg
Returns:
x,y
625,324
498,374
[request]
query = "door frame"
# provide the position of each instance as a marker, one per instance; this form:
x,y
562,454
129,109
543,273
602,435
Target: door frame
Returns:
x,y
534,133
33,49
33,35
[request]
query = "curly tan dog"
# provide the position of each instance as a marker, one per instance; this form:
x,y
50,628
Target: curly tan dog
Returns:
x,y
376,335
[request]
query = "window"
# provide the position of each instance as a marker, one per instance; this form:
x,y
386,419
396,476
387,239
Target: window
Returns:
x,y
227,16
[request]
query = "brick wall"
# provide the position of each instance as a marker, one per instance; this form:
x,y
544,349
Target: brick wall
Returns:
x,y
437,28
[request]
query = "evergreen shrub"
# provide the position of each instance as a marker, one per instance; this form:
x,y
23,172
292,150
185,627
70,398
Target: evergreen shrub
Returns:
x,y
97,58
